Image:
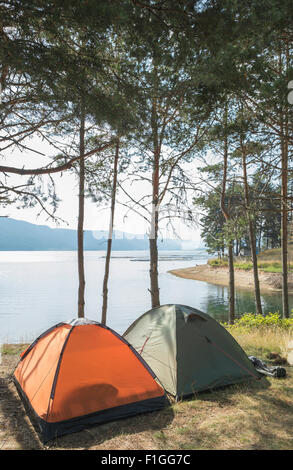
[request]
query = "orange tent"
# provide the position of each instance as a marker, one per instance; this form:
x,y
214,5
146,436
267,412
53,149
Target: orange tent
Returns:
x,y
81,373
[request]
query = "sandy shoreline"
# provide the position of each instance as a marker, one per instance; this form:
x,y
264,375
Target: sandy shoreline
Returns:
x,y
243,279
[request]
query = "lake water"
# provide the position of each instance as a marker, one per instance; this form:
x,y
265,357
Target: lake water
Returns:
x,y
39,289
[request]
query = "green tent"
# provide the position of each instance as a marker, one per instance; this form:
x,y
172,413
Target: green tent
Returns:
x,y
188,350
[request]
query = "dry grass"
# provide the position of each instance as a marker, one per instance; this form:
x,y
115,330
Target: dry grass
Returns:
x,y
256,415
273,254
263,341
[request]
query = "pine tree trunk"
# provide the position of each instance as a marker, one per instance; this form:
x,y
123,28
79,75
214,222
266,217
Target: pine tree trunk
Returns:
x,y
153,239
226,215
154,281
237,247
284,231
110,235
80,252
231,284
284,196
255,269
251,234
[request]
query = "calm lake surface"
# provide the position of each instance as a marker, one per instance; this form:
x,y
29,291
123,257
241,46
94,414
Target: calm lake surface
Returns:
x,y
39,289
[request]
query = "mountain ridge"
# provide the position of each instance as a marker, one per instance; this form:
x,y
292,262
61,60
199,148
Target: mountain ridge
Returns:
x,y
19,235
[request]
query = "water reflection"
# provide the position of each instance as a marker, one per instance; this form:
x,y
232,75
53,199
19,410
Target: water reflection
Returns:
x,y
217,302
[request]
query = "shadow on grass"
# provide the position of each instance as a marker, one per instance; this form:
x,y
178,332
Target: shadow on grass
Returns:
x,y
256,416
25,433
274,430
97,435
224,395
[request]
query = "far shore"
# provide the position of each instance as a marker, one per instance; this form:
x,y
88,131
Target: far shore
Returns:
x,y
269,282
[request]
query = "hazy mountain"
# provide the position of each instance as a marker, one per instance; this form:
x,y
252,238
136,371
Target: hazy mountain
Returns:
x,y
17,235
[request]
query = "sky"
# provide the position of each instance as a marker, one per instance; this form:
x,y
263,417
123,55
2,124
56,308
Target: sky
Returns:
x,y
96,216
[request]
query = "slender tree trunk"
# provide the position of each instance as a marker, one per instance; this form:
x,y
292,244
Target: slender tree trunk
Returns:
x,y
227,219
154,290
284,196
109,243
231,284
237,247
80,253
284,230
251,233
153,240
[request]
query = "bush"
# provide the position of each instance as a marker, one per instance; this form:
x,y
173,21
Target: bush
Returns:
x,y
217,262
244,263
271,320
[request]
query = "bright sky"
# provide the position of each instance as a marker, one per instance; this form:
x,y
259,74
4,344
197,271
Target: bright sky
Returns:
x,y
96,217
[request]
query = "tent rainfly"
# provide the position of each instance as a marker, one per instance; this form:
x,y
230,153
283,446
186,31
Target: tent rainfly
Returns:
x,y
188,350
81,373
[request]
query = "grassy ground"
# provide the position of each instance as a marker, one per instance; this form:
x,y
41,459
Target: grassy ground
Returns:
x,y
269,261
255,415
266,266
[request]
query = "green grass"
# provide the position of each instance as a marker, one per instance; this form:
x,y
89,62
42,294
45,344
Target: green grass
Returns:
x,y
218,262
12,349
266,262
245,265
